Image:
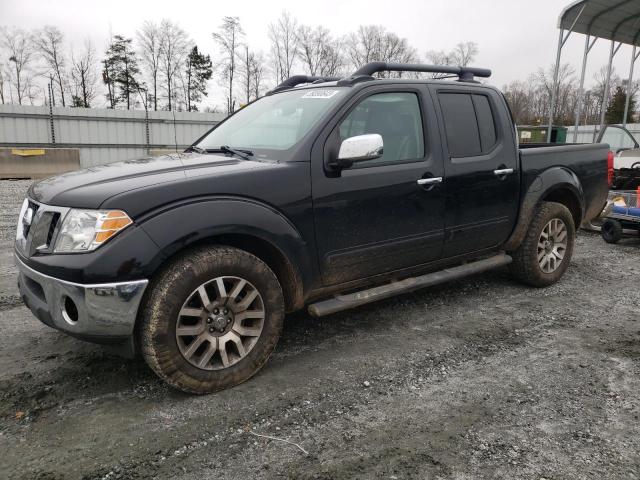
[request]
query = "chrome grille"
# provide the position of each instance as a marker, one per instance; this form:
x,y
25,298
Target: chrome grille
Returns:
x,y
30,213
39,226
43,232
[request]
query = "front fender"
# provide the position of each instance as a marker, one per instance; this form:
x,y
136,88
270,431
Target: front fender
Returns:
x,y
542,185
179,226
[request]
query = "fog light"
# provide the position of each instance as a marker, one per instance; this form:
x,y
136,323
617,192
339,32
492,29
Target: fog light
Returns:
x,y
70,311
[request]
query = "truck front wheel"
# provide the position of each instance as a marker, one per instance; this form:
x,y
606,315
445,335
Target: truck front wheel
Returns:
x,y
545,253
211,319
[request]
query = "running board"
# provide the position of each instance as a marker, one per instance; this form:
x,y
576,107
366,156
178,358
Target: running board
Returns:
x,y
351,300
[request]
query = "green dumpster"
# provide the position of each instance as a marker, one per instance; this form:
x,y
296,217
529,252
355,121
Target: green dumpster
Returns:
x,y
538,134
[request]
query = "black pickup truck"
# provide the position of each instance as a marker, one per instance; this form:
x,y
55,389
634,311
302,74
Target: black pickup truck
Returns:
x,y
325,193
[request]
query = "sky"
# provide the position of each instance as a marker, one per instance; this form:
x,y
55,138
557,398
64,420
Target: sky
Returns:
x,y
515,37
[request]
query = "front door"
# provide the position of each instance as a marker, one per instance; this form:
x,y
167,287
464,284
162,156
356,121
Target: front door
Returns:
x,y
481,169
376,217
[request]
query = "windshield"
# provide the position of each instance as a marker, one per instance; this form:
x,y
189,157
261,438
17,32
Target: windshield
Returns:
x,y
275,122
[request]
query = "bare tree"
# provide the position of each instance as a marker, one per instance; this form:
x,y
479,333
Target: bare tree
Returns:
x,y
372,43
84,76
319,51
563,112
592,104
519,100
2,74
252,74
529,100
49,43
283,35
228,38
464,53
461,56
150,53
246,66
362,46
257,74
396,49
174,47
598,89
21,56
439,57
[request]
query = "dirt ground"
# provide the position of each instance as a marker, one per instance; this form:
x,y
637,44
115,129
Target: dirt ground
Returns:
x,y
480,378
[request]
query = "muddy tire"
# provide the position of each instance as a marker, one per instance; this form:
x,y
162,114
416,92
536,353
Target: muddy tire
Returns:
x,y
210,319
611,231
545,253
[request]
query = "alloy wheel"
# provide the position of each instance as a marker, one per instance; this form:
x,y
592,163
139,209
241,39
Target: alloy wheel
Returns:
x,y
552,245
220,322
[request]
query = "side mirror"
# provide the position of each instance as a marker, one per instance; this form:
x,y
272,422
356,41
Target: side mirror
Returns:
x,y
359,149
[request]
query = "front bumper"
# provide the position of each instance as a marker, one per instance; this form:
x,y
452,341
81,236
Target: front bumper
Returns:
x,y
101,313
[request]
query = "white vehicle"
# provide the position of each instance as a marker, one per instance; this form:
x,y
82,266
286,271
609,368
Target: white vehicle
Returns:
x,y
623,144
626,157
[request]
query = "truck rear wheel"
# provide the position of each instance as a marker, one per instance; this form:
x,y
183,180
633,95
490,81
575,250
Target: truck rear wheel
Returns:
x,y
211,319
545,253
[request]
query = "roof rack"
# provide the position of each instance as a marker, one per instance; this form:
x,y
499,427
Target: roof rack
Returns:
x,y
364,73
299,80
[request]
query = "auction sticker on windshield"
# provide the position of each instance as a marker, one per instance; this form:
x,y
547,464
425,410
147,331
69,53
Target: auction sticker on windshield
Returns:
x,y
320,93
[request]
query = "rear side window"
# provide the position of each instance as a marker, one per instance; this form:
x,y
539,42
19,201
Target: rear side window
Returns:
x,y
486,125
469,124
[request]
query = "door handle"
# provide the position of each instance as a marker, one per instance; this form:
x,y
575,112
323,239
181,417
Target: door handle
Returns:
x,y
430,181
503,171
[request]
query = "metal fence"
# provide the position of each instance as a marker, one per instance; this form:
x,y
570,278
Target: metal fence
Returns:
x,y
101,135
589,133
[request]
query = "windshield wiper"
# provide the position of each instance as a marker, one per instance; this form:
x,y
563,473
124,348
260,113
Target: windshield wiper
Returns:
x,y
244,154
193,148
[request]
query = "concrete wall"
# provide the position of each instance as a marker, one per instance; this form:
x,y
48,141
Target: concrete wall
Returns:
x,y
101,135
37,163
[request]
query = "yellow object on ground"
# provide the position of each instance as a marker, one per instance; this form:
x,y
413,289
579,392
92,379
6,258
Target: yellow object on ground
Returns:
x,y
28,153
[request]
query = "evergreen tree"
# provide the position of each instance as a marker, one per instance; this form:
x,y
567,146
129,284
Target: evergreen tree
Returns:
x,y
198,72
109,65
615,110
120,72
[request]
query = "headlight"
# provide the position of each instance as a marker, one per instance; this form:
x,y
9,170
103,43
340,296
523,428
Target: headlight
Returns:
x,y
86,230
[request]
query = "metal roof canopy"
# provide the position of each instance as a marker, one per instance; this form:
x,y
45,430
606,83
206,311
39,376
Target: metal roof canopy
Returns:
x,y
615,20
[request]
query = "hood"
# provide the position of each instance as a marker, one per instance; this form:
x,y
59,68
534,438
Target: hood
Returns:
x,y
91,187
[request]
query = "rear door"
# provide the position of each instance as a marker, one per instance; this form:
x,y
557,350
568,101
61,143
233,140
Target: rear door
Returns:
x,y
376,217
481,168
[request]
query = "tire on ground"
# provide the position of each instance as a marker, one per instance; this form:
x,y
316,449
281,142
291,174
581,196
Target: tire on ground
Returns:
x,y
611,231
525,266
165,297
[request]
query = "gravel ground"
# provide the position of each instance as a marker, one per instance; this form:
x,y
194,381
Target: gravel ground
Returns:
x,y
474,379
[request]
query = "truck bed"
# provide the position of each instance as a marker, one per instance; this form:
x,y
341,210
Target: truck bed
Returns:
x,y
588,162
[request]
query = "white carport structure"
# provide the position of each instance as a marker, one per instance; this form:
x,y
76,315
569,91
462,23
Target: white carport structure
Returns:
x,y
617,21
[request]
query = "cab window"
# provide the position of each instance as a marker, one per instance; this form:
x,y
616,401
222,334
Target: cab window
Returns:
x,y
469,124
396,117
